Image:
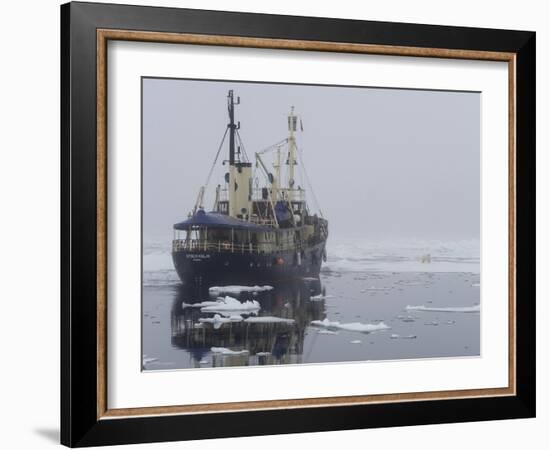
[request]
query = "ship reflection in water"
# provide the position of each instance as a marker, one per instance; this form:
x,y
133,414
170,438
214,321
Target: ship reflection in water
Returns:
x,y
271,331
365,316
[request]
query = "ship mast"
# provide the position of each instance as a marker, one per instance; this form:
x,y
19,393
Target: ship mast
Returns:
x,y
240,172
231,125
291,161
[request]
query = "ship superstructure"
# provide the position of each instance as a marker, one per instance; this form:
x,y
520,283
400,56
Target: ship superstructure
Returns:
x,y
255,232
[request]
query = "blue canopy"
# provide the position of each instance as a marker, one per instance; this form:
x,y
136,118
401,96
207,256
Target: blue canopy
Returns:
x,y
216,220
282,212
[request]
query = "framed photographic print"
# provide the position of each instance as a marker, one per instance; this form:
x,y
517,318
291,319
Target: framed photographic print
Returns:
x,y
276,224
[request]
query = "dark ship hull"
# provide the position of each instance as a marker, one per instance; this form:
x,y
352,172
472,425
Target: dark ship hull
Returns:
x,y
208,268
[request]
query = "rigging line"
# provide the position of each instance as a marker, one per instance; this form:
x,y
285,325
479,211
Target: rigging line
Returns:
x,y
242,146
271,147
215,160
266,176
303,177
308,182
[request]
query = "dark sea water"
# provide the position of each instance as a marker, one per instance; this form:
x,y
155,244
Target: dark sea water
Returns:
x,y
356,311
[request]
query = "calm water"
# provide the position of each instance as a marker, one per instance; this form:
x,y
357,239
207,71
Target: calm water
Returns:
x,y
366,308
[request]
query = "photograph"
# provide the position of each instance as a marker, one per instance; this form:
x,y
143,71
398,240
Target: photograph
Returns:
x,y
308,224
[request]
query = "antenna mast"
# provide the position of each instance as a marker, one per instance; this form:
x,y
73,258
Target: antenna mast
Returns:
x,y
292,122
240,172
231,125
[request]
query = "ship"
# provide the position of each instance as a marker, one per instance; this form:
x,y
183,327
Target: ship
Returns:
x,y
261,228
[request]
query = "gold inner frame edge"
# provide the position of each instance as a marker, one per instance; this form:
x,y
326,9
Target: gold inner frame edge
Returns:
x,y
103,36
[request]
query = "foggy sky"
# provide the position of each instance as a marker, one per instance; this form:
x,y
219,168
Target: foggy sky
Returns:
x,y
384,163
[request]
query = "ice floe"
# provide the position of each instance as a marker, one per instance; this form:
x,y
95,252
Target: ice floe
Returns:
x,y
218,320
228,352
457,309
360,255
320,297
263,354
352,326
268,319
357,341
410,283
327,332
149,360
403,318
198,305
229,304
216,291
398,336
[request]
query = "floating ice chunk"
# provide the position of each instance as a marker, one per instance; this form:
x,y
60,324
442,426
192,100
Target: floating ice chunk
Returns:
x,y
398,336
435,324
320,297
327,332
263,354
203,361
357,341
218,320
410,283
198,305
310,278
231,304
149,360
363,327
459,309
324,323
406,318
228,352
216,291
268,319
353,326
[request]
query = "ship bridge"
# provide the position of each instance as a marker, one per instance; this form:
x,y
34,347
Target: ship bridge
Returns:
x,y
212,231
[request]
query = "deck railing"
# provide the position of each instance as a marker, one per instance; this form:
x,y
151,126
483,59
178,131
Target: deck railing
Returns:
x,y
261,221
257,194
201,245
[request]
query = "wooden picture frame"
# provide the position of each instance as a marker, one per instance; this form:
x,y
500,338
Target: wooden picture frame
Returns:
x,y
86,418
